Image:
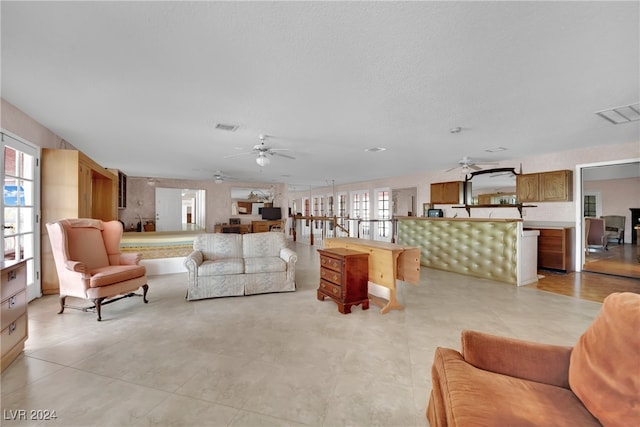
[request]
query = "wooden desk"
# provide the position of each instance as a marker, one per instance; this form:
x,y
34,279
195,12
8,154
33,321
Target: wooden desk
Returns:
x,y
388,262
226,228
264,225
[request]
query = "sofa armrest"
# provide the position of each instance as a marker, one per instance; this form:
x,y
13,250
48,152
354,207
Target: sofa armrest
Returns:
x,y
130,258
543,363
193,260
288,255
76,266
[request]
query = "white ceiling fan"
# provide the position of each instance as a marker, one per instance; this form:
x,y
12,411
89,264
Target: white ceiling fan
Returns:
x,y
264,151
467,164
219,177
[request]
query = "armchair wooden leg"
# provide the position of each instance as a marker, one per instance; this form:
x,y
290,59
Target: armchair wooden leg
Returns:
x,y
145,288
98,304
63,298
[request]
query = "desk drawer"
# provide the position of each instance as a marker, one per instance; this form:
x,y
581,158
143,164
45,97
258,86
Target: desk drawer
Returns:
x,y
332,263
330,289
14,280
331,276
13,307
14,334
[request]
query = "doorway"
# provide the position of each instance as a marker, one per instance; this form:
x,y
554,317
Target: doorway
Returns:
x,y
179,209
20,207
603,189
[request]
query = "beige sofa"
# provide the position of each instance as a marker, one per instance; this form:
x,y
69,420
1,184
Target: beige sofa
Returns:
x,y
499,381
222,265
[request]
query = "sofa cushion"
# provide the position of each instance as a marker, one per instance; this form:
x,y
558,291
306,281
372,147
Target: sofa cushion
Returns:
x,y
264,265
604,370
220,267
109,275
475,397
218,245
262,244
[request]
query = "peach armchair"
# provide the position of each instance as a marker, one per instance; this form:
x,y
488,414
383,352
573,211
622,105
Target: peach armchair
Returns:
x,y
89,263
501,381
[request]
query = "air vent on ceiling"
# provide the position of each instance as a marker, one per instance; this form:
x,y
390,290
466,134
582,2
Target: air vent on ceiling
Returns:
x,y
230,128
619,115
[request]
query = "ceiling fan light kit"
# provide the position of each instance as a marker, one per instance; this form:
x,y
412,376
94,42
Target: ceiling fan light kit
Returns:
x,y
262,150
262,160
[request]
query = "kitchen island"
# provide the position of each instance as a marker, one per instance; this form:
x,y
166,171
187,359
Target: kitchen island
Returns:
x,y
496,249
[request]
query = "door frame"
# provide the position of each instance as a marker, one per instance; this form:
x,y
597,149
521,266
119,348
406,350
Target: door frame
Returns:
x,y
34,283
578,193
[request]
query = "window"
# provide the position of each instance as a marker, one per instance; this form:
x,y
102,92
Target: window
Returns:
x,y
306,210
360,210
384,227
589,207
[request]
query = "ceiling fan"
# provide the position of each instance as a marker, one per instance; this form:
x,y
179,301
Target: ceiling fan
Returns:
x,y
219,177
264,151
466,164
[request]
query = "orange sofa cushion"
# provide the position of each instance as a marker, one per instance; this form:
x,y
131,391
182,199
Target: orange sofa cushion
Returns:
x,y
604,370
475,397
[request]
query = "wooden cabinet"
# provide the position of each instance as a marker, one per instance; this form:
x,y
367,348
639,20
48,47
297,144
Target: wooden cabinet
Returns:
x,y
556,186
527,188
73,186
262,226
447,193
122,188
13,311
556,247
344,277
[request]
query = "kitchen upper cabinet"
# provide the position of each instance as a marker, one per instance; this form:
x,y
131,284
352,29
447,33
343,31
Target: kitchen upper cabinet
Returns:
x,y
527,188
555,186
447,193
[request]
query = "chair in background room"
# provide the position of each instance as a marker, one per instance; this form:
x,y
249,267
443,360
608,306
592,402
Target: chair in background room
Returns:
x,y
596,237
614,227
89,263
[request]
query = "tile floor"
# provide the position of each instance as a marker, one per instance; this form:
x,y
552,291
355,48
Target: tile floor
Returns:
x,y
265,360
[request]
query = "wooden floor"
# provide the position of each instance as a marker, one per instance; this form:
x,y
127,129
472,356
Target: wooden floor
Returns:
x,y
621,260
615,270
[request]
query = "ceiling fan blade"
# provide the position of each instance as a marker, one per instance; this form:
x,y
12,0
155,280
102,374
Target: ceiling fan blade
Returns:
x,y
474,167
453,168
239,154
273,153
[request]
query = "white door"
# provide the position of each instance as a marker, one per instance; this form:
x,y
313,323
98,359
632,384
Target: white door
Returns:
x,y
20,207
168,209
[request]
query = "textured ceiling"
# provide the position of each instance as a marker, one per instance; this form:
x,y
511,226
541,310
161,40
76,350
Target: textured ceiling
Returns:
x,y
140,86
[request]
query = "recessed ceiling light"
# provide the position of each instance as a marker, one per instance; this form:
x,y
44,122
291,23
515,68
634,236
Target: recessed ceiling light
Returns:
x,y
495,149
374,149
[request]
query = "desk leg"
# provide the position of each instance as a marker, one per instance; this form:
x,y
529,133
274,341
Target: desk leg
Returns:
x,y
392,304
387,305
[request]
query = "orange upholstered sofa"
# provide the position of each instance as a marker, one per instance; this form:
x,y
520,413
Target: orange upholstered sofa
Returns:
x,y
498,381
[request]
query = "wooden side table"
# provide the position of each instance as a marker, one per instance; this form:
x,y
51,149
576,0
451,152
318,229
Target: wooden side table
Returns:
x,y
344,277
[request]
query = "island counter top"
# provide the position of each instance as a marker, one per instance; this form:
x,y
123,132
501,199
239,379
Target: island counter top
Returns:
x,y
424,218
